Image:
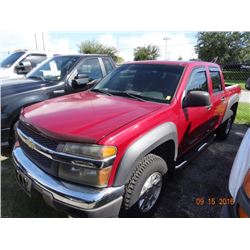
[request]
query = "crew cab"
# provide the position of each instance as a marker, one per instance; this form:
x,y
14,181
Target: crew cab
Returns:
x,y
55,77
107,151
18,63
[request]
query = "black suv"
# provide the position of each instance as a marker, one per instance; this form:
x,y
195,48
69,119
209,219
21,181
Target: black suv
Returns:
x,y
57,76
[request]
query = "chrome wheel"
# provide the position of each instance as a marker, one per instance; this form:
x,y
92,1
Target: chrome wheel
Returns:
x,y
229,123
150,192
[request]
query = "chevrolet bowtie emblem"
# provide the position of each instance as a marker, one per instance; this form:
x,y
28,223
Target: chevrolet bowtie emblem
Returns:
x,y
30,142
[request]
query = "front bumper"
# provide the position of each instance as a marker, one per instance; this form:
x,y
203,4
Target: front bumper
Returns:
x,y
71,198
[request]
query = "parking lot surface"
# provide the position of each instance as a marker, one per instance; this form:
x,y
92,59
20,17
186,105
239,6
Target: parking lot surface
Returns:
x,y
195,191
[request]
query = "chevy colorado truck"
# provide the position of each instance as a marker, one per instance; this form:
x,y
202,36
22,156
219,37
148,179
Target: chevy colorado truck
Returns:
x,y
106,151
58,76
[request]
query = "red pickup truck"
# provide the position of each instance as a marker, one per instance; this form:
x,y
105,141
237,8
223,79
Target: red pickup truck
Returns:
x,y
106,151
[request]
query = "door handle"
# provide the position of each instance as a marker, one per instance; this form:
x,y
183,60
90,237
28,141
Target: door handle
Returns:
x,y
223,99
208,107
61,91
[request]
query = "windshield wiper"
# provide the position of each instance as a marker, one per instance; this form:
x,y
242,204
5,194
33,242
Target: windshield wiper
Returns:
x,y
37,77
129,94
101,91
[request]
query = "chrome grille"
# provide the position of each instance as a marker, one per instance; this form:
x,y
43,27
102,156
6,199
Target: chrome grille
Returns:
x,y
44,141
43,162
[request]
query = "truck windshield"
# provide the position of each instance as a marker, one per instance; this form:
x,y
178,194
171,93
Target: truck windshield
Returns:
x,y
153,82
7,61
54,69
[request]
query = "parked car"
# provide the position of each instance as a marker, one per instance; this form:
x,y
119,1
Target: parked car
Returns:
x,y
57,76
247,86
243,66
17,64
239,182
106,151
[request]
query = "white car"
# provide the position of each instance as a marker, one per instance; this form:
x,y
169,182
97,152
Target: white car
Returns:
x,y
239,182
17,64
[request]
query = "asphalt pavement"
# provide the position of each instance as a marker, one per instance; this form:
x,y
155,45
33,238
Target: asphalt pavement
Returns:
x,y
198,189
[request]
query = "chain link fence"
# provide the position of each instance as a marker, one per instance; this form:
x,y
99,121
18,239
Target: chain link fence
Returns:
x,y
239,73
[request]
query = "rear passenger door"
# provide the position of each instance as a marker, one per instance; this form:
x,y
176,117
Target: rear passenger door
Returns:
x,y
218,98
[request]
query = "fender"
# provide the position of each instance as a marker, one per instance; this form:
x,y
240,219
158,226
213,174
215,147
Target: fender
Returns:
x,y
232,100
141,147
13,111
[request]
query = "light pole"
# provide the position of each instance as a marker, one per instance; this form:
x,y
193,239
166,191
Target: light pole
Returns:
x,y
43,42
35,41
166,53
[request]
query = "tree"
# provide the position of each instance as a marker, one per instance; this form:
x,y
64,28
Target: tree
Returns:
x,y
180,58
94,47
151,52
227,47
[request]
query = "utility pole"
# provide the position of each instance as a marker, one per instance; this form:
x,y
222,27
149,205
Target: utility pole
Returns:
x,y
166,52
43,42
35,41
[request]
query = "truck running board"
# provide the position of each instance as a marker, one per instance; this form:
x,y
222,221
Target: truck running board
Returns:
x,y
186,158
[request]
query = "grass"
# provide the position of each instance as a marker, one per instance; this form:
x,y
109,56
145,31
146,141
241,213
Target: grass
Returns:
x,y
243,114
241,83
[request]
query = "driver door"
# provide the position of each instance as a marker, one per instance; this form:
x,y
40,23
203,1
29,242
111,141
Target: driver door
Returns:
x,y
89,67
195,120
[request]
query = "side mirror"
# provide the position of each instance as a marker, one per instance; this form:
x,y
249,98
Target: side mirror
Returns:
x,y
196,98
23,67
81,79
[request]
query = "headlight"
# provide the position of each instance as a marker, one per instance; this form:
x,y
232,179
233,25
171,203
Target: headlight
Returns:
x,y
95,167
97,152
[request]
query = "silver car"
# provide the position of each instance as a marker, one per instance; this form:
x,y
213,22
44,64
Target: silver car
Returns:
x,y
239,182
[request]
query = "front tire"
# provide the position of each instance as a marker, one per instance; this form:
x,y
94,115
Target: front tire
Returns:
x,y
142,193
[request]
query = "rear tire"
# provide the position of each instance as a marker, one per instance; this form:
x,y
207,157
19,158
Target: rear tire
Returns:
x,y
142,193
224,129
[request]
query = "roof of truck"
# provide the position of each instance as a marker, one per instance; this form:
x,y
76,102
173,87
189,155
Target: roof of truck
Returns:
x,y
180,63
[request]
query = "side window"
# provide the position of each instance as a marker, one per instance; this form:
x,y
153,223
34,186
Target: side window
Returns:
x,y
197,81
35,59
90,67
107,64
216,81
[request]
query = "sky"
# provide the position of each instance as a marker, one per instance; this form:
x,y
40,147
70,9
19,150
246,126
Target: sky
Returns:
x,y
179,44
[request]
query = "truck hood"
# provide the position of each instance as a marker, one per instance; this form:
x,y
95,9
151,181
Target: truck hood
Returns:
x,y
7,73
14,87
85,116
